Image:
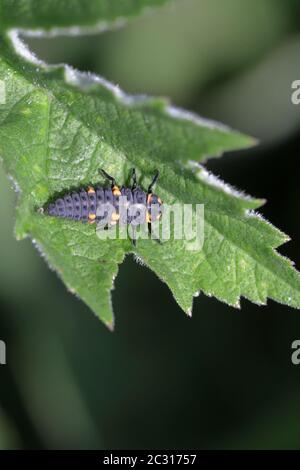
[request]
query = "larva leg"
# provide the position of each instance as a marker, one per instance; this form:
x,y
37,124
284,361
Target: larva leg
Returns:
x,y
133,239
150,233
133,176
153,182
107,176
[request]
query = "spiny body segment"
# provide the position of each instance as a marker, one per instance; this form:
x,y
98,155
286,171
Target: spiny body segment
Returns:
x,y
91,204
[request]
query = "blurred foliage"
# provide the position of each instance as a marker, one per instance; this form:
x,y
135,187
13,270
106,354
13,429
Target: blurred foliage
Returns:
x,y
223,379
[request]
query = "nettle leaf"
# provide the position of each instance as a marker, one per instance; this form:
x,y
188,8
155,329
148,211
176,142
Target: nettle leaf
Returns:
x,y
59,126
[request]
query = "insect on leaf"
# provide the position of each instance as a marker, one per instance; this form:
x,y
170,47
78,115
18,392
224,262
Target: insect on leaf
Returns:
x,y
59,126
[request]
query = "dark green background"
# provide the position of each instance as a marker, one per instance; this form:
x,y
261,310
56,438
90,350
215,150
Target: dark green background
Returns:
x,y
223,379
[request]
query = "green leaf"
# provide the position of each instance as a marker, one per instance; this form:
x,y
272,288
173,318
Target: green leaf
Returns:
x,y
59,126
48,15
